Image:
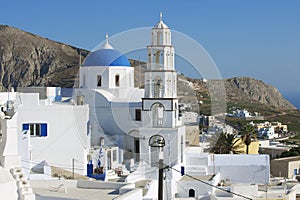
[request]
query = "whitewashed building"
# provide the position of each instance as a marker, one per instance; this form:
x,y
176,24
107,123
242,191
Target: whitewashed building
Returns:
x,y
267,132
242,113
48,133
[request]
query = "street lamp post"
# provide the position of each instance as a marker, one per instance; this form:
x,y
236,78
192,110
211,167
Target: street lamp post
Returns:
x,y
159,141
200,102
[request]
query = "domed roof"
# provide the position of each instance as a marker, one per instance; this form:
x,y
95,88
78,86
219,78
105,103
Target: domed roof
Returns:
x,y
107,56
161,24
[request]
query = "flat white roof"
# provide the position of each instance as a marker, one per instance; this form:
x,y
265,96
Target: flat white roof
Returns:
x,y
77,193
294,158
51,189
240,159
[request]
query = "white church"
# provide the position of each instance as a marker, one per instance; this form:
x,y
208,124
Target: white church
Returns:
x,y
126,116
134,128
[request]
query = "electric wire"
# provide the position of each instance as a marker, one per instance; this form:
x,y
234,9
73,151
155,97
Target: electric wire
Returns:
x,y
151,172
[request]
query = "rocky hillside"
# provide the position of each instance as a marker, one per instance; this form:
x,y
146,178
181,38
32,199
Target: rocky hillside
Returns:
x,y
245,88
27,60
239,91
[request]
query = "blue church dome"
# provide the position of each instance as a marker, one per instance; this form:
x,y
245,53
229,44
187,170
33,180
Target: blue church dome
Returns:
x,y
106,57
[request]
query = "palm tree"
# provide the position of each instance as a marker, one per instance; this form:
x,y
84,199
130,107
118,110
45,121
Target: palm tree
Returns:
x,y
225,144
247,141
247,134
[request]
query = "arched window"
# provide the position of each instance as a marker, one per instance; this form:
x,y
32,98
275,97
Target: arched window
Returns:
x,y
161,38
158,38
191,193
157,59
83,84
157,114
99,80
169,85
117,80
157,87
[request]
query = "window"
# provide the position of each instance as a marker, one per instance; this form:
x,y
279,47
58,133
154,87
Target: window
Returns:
x,y
117,80
101,141
158,59
114,155
35,129
88,127
181,149
138,115
157,114
83,80
157,87
176,110
99,81
0,132
39,130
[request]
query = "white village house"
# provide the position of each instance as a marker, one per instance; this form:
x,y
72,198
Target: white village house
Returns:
x,y
37,133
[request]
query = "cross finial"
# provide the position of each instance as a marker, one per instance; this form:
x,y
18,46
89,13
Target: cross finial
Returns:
x,y
160,16
107,45
106,38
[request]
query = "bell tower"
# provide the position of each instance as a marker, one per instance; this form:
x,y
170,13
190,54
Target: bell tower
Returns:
x,y
160,105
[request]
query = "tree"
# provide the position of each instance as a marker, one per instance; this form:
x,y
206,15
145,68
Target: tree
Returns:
x,y
225,144
248,132
295,151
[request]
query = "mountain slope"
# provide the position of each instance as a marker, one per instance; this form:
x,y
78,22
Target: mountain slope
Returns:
x,y
27,59
239,91
245,88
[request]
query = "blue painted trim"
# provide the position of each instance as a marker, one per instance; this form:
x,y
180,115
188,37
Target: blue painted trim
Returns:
x,y
43,130
25,127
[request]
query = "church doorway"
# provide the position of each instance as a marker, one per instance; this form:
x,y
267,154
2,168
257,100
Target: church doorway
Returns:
x,y
134,143
137,149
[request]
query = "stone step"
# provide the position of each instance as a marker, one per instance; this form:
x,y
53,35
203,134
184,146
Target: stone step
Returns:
x,y
16,170
23,183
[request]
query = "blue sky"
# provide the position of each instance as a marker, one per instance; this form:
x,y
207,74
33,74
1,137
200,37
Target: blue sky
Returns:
x,y
257,38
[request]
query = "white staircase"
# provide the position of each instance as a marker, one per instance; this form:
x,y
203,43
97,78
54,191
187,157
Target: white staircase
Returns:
x,y
24,189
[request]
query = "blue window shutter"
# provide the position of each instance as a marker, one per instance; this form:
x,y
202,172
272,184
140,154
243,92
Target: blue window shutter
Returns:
x,y
88,127
25,127
43,130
